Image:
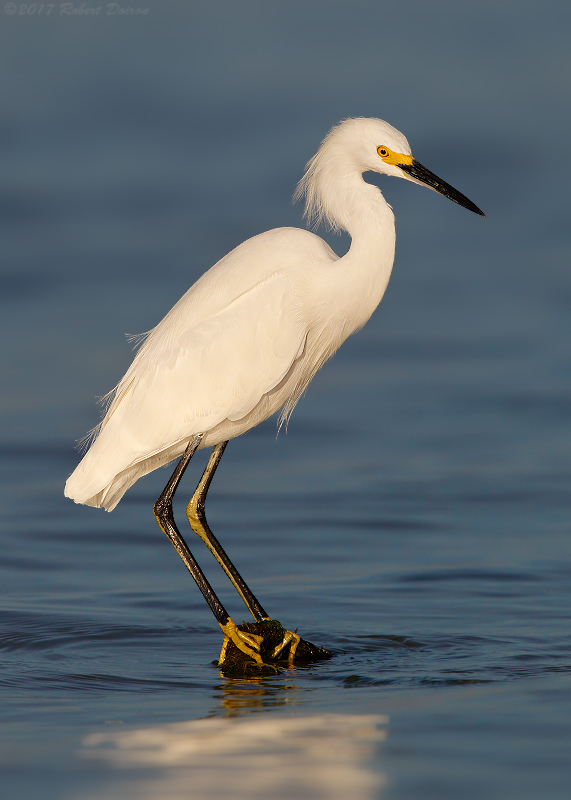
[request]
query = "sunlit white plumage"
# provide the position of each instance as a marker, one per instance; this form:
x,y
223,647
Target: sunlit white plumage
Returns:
x,y
250,334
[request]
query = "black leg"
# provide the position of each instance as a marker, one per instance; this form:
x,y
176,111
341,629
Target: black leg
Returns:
x,y
197,517
248,643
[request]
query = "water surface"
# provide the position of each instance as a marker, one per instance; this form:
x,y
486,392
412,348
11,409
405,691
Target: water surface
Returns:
x,y
414,518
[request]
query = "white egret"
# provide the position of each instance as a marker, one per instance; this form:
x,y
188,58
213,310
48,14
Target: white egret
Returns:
x,y
246,340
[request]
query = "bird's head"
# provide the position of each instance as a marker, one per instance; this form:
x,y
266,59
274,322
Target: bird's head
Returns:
x,y
368,145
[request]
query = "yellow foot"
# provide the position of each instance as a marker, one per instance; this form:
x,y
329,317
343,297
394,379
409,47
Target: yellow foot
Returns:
x,y
248,643
290,639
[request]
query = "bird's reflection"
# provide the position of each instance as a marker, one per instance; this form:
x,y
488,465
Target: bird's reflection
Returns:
x,y
248,695
322,757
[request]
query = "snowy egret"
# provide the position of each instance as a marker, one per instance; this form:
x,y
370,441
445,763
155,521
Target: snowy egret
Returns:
x,y
246,340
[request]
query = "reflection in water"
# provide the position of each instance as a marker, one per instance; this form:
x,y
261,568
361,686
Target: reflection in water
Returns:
x,y
319,757
246,695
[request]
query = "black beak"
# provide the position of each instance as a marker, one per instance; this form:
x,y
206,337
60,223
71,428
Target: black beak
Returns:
x,y
428,178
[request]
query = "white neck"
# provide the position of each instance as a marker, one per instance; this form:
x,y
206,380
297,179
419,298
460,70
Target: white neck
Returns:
x,y
358,280
365,215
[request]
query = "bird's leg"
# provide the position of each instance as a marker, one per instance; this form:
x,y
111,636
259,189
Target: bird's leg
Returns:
x,y
197,518
247,643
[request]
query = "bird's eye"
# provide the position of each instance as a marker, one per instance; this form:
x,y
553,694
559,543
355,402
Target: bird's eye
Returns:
x,y
382,151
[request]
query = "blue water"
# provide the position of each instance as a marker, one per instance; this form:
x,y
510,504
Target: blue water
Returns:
x,y
415,517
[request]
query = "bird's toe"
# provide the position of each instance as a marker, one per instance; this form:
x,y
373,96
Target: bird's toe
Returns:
x,y
277,646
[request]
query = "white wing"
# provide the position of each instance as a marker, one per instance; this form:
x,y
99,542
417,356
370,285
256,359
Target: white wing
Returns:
x,y
217,369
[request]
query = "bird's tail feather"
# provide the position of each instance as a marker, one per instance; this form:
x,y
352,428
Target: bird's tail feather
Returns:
x,y
91,487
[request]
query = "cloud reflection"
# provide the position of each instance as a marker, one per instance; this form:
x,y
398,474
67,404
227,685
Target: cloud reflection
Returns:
x,y
322,757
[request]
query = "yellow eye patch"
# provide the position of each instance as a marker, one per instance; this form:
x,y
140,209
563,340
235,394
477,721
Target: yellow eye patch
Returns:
x,y
390,157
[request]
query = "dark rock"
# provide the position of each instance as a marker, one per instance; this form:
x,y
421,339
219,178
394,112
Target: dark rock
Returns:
x,y
237,663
